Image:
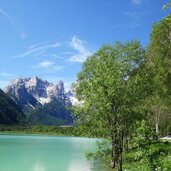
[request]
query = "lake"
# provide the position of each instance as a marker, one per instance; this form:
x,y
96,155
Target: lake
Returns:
x,y
46,153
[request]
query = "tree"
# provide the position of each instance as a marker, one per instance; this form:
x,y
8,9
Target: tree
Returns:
x,y
108,88
158,59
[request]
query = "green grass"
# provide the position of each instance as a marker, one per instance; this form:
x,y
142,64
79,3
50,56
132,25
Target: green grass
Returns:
x,y
163,156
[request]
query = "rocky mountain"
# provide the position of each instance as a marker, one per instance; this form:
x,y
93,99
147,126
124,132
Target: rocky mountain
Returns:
x,y
10,113
41,99
34,91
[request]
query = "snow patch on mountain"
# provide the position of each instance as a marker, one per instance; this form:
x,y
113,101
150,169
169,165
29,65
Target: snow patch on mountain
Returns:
x,y
28,89
43,100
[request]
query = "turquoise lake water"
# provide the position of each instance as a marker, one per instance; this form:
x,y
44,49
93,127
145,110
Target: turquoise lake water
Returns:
x,y
46,153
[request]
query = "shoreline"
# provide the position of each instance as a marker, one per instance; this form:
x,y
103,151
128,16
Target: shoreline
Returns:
x,y
20,133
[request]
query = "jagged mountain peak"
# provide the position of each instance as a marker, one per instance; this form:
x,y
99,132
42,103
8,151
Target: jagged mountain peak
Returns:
x,y
61,83
19,80
34,80
41,90
38,81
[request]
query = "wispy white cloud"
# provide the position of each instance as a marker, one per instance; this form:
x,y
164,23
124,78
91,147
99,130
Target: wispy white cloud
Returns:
x,y
79,46
136,2
67,53
47,66
5,14
55,56
44,64
37,45
35,50
21,32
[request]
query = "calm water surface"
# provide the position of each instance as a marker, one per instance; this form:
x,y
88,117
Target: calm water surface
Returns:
x,y
46,153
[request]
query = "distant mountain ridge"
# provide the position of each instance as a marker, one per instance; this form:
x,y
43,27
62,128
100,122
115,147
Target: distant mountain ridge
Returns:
x,y
40,99
29,91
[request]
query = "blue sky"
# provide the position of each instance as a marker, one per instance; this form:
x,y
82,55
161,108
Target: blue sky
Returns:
x,y
51,38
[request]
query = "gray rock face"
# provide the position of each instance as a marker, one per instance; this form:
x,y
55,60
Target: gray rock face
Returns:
x,y
33,91
18,92
37,87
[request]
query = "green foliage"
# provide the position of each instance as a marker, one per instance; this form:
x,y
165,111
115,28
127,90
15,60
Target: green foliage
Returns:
x,y
149,151
103,84
159,154
143,135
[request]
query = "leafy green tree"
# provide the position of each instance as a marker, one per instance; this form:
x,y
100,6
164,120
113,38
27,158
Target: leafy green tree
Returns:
x,y
108,91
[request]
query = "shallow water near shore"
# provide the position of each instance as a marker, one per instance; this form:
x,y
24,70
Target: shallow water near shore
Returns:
x,y
46,153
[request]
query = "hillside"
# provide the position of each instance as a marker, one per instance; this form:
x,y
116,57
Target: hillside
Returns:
x,y
10,113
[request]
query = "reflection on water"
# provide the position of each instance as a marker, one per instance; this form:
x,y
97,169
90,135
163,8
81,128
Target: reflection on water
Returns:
x,y
77,165
45,153
38,167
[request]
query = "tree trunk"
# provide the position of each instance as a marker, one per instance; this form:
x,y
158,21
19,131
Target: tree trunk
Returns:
x,y
120,162
126,144
157,128
113,153
157,123
120,151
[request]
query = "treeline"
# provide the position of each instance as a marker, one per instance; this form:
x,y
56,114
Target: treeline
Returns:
x,y
126,95
39,129
42,129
